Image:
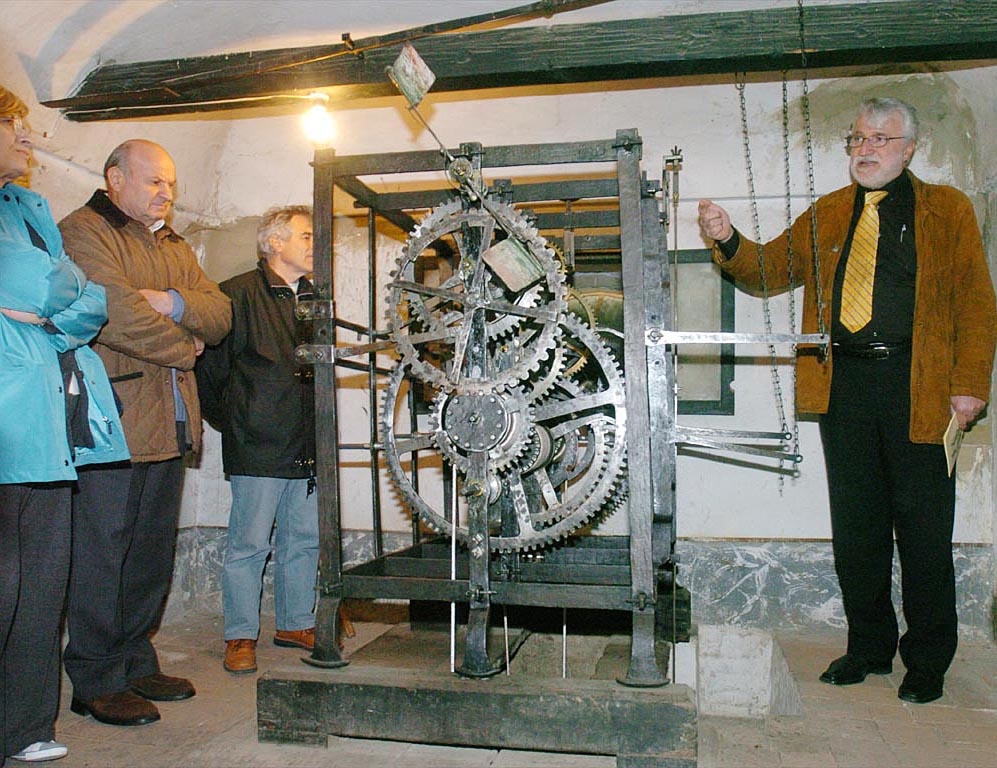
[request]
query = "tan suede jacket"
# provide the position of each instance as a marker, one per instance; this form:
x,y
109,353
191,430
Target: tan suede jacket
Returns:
x,y
139,346
955,320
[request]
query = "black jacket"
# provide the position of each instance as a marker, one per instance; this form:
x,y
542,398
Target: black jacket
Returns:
x,y
250,387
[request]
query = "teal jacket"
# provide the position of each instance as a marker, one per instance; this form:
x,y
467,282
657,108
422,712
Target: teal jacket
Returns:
x,y
34,436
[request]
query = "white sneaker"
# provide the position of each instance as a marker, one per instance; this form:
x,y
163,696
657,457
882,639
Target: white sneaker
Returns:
x,y
41,751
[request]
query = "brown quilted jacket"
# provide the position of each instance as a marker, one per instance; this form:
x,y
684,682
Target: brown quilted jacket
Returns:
x,y
955,320
138,345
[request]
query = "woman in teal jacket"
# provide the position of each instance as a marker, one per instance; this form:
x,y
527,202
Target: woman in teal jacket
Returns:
x,y
57,412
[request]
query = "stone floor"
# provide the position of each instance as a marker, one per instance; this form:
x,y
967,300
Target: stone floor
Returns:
x,y
863,726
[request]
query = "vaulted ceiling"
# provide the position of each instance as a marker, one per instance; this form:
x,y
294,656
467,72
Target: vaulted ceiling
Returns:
x,y
481,51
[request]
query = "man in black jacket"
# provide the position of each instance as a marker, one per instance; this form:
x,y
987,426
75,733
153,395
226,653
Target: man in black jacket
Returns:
x,y
263,403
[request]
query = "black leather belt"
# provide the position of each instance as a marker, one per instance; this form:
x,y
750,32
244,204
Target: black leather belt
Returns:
x,y
872,351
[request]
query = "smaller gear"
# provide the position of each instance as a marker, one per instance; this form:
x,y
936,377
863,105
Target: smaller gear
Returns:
x,y
496,422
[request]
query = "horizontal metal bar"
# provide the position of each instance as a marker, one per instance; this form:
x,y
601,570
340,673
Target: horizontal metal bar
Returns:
x,y
596,596
363,330
519,193
755,450
362,349
695,432
319,354
490,157
656,336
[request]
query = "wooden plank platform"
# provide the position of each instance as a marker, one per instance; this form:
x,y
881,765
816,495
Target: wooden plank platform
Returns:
x,y
399,687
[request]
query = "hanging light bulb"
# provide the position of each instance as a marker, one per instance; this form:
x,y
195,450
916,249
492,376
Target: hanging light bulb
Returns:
x,y
318,124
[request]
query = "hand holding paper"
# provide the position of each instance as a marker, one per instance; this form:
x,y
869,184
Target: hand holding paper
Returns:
x,y
952,441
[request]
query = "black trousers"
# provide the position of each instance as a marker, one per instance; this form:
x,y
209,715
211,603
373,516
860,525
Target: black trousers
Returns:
x,y
125,519
880,483
34,568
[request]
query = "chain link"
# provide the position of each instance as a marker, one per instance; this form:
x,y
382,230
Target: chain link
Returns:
x,y
756,230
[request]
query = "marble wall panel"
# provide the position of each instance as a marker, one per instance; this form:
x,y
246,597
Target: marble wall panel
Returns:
x,y
754,584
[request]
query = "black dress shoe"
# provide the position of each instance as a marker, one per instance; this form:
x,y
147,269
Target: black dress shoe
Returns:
x,y
160,687
921,687
850,669
121,708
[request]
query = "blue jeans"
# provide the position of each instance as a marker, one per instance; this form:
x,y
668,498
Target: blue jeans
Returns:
x,y
256,503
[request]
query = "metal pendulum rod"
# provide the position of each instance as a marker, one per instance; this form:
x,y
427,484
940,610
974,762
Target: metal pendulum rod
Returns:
x,y
443,147
453,567
672,166
505,630
564,642
569,237
675,631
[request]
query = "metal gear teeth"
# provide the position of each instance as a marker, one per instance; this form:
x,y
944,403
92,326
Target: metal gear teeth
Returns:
x,y
400,480
607,466
555,368
611,464
439,222
540,358
509,324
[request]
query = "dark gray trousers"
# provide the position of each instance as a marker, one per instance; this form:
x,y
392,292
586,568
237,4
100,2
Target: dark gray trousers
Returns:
x,y
125,520
34,567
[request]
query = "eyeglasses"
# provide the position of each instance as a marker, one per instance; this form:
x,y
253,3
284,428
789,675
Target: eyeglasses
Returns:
x,y
877,140
17,124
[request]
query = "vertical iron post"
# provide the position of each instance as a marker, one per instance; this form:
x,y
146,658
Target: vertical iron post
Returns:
x,y
372,407
330,579
643,669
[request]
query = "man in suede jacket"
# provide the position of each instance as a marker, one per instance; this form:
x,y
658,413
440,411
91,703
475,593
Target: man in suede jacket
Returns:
x,y
886,390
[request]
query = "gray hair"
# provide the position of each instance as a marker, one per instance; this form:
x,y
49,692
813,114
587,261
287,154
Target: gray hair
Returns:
x,y
276,223
884,106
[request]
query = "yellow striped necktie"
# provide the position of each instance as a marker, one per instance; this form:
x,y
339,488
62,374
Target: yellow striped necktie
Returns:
x,y
860,269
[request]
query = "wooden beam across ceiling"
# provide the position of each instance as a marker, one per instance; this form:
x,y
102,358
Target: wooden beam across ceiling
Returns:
x,y
841,35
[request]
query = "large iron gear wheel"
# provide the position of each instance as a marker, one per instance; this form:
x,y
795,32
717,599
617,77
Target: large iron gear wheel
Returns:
x,y
434,327
552,468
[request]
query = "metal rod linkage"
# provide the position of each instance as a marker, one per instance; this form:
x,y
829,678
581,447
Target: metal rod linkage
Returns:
x,y
657,336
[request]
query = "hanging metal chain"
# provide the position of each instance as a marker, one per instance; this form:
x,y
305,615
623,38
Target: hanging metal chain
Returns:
x,y
818,289
756,230
791,265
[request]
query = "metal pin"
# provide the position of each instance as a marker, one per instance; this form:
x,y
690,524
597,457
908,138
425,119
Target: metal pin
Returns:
x,y
903,228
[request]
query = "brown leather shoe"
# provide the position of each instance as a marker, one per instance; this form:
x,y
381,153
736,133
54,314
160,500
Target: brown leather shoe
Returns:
x,y
295,638
121,708
240,656
160,687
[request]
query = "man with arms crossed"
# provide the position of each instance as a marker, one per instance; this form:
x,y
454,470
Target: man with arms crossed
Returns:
x,y
162,309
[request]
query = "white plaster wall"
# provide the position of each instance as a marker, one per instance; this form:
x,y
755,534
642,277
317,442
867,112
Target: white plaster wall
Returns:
x,y
235,166
716,499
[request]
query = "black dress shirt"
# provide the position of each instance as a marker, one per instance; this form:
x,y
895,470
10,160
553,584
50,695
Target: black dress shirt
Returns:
x,y
896,269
